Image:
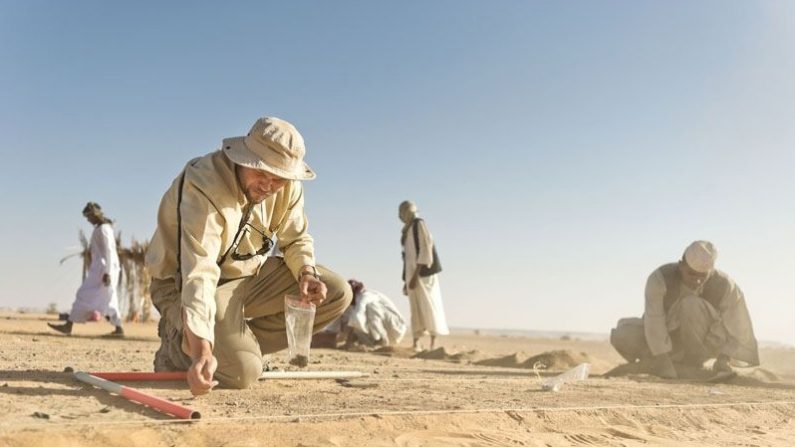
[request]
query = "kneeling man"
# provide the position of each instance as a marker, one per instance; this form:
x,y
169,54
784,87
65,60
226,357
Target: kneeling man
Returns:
x,y
220,297
693,313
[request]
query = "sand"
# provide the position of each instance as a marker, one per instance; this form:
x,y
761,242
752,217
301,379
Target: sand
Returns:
x,y
478,390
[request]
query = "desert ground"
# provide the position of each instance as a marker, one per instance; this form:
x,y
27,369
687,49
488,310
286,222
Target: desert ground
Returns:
x,y
479,390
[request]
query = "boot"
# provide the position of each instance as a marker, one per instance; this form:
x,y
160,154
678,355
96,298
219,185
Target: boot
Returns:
x,y
65,328
169,357
118,333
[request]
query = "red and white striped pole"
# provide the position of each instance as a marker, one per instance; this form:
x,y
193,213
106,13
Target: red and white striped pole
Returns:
x,y
137,396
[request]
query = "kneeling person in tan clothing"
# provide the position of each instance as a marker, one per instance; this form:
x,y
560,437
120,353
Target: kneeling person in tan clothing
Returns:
x,y
220,297
693,313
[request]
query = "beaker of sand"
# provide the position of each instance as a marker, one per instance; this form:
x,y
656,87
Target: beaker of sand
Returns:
x,y
299,318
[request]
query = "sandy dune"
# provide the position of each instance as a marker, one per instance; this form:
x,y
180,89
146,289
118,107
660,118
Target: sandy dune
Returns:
x,y
477,391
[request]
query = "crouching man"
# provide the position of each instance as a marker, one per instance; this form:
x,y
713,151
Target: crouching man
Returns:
x,y
693,313
220,297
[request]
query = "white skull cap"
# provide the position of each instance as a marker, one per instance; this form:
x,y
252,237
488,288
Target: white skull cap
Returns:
x,y
408,205
700,256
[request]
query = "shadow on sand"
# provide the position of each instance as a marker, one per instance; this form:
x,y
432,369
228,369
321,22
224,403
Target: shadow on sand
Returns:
x,y
755,377
51,333
77,389
67,379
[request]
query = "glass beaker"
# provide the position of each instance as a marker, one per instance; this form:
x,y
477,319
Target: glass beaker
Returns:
x,y
299,318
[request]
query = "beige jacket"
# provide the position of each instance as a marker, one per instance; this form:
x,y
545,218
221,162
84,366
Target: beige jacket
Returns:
x,y
213,205
732,314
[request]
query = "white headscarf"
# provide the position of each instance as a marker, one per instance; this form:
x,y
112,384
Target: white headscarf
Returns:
x,y
700,256
407,212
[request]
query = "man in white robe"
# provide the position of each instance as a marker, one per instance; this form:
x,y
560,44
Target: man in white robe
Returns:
x,y
420,276
693,313
98,293
373,317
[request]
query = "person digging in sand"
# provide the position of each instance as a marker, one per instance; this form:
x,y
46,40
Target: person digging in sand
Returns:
x,y
693,313
373,320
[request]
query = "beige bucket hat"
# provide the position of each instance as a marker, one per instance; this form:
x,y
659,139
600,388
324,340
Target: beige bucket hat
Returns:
x,y
273,145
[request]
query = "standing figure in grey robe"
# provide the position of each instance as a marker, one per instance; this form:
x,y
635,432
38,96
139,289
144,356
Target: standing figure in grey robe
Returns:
x,y
693,313
98,293
420,277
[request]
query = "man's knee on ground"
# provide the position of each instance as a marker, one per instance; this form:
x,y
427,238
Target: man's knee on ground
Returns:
x,y
617,338
629,341
620,341
239,369
339,294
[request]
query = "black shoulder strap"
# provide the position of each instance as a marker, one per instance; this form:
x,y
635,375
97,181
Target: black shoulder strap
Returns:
x,y
243,220
178,275
416,237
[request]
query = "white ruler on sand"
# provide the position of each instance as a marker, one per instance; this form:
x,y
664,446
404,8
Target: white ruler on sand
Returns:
x,y
312,375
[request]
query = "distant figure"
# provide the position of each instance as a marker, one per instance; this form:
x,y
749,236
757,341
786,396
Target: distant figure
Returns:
x,y
693,313
98,293
372,318
420,277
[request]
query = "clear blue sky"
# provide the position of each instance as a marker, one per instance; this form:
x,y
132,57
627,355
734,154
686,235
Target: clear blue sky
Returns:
x,y
560,151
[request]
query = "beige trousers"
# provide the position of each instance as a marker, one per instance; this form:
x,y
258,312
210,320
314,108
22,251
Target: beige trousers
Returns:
x,y
249,320
695,328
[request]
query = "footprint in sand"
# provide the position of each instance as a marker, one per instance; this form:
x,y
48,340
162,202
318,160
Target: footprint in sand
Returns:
x,y
456,439
584,439
612,437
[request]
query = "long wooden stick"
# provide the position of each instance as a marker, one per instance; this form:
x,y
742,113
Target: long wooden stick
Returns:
x,y
138,396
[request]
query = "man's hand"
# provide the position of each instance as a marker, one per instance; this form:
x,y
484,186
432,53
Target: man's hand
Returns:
x,y
106,280
200,373
312,288
414,279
